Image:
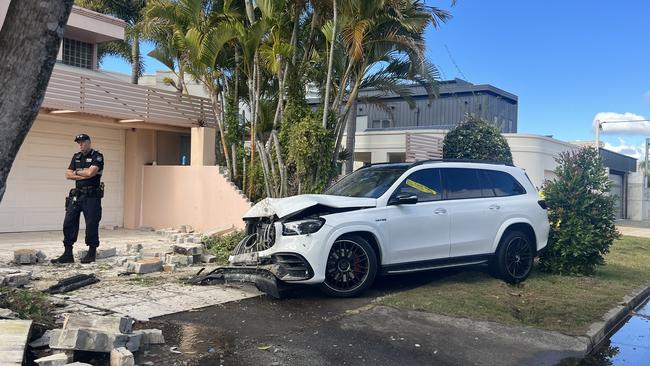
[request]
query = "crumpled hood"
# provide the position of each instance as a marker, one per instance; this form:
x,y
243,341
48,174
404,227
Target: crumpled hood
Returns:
x,y
289,205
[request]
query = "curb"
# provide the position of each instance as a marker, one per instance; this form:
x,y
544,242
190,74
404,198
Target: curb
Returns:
x,y
600,331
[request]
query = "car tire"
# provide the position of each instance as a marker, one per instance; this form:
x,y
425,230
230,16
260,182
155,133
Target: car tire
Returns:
x,y
351,267
513,260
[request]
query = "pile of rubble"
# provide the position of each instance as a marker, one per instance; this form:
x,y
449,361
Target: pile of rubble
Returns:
x,y
14,277
99,334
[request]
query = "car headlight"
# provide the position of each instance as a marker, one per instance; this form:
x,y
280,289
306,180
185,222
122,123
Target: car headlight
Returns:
x,y
302,227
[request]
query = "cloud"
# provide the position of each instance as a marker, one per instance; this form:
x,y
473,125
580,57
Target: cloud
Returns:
x,y
629,128
624,148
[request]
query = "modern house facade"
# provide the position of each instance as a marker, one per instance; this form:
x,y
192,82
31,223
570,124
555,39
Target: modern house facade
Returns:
x,y
383,134
159,146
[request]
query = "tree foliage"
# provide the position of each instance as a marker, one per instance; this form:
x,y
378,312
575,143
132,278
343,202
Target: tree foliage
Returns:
x,y
581,213
476,139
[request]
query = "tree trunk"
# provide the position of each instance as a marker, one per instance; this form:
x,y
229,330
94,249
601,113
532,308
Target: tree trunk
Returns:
x,y
330,63
215,106
350,140
29,43
135,59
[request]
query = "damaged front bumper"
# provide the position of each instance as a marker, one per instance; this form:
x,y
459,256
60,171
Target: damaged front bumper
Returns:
x,y
272,275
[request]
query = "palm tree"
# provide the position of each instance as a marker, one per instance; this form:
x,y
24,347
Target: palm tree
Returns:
x,y
384,44
131,11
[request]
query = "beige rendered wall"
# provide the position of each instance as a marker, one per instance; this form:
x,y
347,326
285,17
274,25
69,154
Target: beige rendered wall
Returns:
x,y
190,195
203,145
140,150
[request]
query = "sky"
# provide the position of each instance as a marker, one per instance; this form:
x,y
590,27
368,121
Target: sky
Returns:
x,y
570,62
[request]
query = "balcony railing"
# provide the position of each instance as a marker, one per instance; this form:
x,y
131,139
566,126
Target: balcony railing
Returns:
x,y
87,93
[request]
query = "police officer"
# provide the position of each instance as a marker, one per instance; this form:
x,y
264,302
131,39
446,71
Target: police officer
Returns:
x,y
86,170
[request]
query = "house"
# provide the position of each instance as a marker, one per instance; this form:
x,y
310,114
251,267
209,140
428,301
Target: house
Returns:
x,y
387,133
159,146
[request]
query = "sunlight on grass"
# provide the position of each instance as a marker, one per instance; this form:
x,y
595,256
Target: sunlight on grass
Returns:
x,y
562,303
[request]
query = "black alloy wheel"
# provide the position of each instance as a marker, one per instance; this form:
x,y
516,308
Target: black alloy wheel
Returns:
x,y
514,257
351,267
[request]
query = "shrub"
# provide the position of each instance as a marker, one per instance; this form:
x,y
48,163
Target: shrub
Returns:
x,y
476,139
581,213
29,304
222,246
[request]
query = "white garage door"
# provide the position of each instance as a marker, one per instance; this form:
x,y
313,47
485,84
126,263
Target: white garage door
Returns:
x,y
36,187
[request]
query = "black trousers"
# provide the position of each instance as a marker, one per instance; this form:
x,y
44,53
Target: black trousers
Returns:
x,y
91,207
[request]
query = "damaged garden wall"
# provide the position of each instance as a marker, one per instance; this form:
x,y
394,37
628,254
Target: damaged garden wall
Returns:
x,y
196,195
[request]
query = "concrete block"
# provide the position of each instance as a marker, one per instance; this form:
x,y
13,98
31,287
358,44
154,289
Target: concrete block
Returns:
x,y
88,340
43,341
120,261
151,336
122,357
101,253
169,267
179,260
57,359
151,254
110,324
146,228
110,227
134,247
147,265
134,342
18,279
188,249
25,256
208,258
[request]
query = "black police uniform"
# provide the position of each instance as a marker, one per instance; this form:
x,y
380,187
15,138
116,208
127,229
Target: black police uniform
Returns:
x,y
86,198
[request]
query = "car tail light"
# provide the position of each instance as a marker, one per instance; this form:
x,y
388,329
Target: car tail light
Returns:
x,y
542,204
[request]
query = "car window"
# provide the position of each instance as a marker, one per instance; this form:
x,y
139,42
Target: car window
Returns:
x,y
461,183
487,190
369,182
425,184
504,184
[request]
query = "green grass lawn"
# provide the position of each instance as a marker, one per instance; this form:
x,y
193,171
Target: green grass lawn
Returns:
x,y
561,303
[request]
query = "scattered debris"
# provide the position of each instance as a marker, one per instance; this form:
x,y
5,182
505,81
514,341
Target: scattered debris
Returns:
x,y
151,336
122,357
110,227
175,350
101,253
179,259
14,277
14,335
147,265
44,341
57,359
134,247
72,283
7,314
169,267
188,249
29,256
208,258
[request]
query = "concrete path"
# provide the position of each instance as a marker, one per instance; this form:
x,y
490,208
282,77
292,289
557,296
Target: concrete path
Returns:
x,y
139,296
643,232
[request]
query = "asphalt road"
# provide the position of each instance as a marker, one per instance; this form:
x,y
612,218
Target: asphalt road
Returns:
x,y
312,329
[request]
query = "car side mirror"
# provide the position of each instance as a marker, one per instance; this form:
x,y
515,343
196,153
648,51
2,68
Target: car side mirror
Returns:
x,y
403,199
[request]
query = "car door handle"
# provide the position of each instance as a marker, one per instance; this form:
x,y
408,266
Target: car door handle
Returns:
x,y
494,207
440,211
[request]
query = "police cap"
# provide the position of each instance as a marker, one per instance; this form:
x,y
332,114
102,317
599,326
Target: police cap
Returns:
x,y
81,137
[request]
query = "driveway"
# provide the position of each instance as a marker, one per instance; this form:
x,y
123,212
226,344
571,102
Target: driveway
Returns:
x,y
315,330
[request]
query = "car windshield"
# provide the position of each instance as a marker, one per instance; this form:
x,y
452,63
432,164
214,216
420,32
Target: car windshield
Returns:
x,y
369,182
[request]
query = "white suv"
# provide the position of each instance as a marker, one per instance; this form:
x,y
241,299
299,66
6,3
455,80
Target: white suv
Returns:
x,y
398,218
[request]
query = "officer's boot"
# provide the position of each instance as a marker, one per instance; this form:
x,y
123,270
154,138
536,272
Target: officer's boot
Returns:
x,y
66,257
90,256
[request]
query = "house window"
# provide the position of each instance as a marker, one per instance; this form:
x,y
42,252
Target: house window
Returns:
x,y
77,53
381,123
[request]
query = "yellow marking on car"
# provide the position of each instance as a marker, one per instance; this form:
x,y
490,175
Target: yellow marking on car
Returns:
x,y
420,187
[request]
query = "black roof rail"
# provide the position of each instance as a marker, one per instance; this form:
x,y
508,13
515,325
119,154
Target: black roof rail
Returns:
x,y
384,163
495,162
